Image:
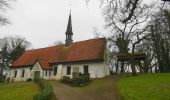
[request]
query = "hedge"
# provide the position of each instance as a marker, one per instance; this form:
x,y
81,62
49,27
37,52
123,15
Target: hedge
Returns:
x,y
47,90
78,79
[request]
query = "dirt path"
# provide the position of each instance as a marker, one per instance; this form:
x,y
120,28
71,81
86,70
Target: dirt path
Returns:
x,y
64,92
95,91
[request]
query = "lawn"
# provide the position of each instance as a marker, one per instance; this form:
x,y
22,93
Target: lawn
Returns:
x,y
145,87
18,91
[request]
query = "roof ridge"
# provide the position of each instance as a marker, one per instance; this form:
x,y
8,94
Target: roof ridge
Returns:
x,y
89,40
43,48
43,59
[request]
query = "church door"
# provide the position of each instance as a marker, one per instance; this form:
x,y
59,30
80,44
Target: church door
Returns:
x,y
36,74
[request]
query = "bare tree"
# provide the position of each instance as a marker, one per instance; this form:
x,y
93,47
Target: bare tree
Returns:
x,y
127,20
10,49
96,33
58,43
150,61
160,37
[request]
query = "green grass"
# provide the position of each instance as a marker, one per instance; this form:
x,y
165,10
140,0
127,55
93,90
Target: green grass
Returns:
x,y
145,87
18,91
1,84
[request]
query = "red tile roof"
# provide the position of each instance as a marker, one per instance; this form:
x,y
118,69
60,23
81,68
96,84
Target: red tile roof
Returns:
x,y
44,64
92,49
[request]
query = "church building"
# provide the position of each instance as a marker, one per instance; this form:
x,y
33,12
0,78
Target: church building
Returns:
x,y
87,56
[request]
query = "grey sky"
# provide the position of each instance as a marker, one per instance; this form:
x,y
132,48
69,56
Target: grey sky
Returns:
x,y
42,22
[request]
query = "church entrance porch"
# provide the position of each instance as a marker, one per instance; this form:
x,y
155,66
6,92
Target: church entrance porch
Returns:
x,y
36,74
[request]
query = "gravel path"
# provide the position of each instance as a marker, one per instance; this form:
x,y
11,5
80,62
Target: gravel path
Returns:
x,y
65,92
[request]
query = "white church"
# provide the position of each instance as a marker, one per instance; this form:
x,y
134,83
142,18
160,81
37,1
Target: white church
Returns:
x,y
54,62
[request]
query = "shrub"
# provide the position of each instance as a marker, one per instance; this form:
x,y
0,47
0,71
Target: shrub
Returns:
x,y
47,90
66,79
7,80
76,75
82,80
78,79
29,80
12,80
86,77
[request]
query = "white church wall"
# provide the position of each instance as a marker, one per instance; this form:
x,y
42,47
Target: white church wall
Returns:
x,y
45,74
48,74
37,67
59,72
52,72
96,69
29,73
107,70
64,70
19,77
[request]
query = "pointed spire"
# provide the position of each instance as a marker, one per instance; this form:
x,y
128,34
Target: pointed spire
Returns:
x,y
69,32
69,25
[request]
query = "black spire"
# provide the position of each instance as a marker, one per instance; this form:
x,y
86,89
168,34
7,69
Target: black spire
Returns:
x,y
69,25
69,32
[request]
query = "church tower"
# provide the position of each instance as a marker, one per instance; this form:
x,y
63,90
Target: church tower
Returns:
x,y
69,32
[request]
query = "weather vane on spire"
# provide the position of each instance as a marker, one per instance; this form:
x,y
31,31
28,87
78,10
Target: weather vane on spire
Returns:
x,y
70,5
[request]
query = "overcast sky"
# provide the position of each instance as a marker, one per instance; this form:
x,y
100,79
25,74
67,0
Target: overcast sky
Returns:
x,y
42,22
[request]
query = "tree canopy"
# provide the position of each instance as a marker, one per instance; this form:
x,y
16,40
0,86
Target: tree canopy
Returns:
x,y
11,48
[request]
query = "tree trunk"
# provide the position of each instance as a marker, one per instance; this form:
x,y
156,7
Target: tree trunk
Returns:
x,y
132,60
1,75
117,66
122,67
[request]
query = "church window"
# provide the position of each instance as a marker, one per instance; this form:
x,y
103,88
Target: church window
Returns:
x,y
46,73
68,70
55,70
86,69
23,73
76,69
15,73
49,72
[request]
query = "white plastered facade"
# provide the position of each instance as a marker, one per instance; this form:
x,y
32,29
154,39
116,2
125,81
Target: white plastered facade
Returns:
x,y
29,72
95,69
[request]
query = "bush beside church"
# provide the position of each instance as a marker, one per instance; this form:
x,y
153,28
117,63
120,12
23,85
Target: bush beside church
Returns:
x,y
78,79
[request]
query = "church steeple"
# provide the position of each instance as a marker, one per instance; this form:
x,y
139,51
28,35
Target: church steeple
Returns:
x,y
69,32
